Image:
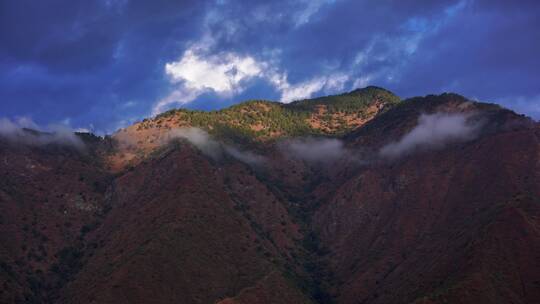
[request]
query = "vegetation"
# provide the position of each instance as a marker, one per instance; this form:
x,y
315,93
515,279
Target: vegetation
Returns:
x,y
350,102
267,120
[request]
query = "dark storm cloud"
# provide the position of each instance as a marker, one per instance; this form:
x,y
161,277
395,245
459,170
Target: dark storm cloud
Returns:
x,y
488,51
101,64
81,35
86,59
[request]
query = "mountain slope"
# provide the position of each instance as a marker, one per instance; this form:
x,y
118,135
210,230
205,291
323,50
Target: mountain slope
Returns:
x,y
456,225
272,203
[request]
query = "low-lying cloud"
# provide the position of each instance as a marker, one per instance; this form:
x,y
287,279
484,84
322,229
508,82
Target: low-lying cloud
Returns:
x,y
316,150
24,130
199,139
433,131
212,148
244,156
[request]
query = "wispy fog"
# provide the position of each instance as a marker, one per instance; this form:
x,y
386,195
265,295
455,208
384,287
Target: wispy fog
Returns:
x,y
199,139
25,131
433,131
244,156
316,150
212,148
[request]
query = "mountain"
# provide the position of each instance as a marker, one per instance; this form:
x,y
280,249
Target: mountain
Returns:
x,y
352,198
255,122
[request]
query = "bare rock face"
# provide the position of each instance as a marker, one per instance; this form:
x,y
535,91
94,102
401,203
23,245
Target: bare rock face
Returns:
x,y
353,198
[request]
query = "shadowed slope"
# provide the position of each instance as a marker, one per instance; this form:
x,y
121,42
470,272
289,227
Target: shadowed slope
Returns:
x,y
143,217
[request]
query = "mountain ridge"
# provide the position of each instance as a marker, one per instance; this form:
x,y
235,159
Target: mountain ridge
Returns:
x,y
257,122
196,216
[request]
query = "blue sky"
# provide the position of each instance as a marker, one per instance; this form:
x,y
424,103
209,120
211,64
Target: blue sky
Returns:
x,y
101,65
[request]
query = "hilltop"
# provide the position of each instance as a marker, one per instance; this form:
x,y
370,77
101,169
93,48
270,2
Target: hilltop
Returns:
x,y
264,120
257,122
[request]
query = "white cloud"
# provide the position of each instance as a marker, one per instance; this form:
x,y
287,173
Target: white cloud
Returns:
x,y
395,51
362,82
212,148
221,73
314,149
18,131
320,151
199,139
336,83
128,104
26,122
311,7
226,74
178,96
306,89
7,127
301,90
433,131
201,69
247,157
196,73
